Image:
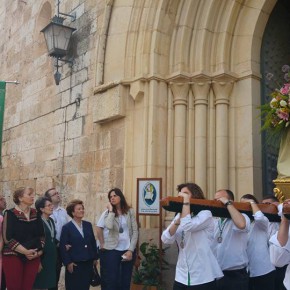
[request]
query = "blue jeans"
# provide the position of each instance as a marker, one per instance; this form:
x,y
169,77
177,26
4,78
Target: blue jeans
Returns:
x,y
115,274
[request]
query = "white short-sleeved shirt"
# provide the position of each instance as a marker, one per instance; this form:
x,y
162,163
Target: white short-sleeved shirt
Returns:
x,y
280,256
196,263
258,247
231,253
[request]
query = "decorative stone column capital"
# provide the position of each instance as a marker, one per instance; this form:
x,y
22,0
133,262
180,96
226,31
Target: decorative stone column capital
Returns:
x,y
200,91
180,93
222,87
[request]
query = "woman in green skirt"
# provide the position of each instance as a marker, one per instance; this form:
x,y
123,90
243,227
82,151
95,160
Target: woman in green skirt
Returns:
x,y
46,277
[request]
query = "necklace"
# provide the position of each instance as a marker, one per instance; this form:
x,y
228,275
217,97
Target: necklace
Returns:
x,y
221,225
121,230
50,228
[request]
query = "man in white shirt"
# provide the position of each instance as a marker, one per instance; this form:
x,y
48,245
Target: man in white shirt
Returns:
x,y
280,248
230,245
60,218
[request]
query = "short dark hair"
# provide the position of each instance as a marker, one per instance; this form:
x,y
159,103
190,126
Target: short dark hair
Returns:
x,y
229,193
46,194
195,190
71,206
250,196
272,197
19,193
40,203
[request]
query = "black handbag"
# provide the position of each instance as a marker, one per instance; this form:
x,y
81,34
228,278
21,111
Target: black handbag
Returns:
x,y
96,278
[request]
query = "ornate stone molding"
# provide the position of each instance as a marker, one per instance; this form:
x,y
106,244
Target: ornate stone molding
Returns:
x,y
180,93
200,89
222,90
102,43
137,90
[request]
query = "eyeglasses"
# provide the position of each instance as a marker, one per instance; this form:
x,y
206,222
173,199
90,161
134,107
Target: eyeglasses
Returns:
x,y
49,205
52,195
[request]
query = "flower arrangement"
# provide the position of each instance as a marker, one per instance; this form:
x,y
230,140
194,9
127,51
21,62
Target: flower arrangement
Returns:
x,y
276,113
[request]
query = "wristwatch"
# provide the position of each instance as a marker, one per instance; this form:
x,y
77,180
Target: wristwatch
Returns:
x,y
228,203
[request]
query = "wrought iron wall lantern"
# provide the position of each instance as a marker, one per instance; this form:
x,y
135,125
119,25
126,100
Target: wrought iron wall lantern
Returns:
x,y
57,37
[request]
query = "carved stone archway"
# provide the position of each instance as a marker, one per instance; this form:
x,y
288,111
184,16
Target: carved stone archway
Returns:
x,y
193,76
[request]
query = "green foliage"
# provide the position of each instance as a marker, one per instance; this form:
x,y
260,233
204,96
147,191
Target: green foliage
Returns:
x,y
152,264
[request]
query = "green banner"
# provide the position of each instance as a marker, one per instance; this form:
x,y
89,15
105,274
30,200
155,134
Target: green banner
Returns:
x,y
2,108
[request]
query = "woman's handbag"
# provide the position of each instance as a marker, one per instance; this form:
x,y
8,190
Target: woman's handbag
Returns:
x,y
96,278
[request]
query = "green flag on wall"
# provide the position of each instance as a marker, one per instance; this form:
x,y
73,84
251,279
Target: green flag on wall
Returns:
x,y
2,107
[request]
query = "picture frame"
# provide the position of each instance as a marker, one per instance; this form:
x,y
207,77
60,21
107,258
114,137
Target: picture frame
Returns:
x,y
149,193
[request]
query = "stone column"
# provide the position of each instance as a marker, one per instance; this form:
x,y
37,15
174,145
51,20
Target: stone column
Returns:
x,y
222,90
200,91
180,96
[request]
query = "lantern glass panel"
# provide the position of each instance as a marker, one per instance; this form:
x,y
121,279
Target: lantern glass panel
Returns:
x,y
57,37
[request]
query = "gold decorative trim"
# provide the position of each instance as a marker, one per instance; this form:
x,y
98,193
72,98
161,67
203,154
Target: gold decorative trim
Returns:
x,y
282,189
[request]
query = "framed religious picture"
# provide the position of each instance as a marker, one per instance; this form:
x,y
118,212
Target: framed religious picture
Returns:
x,y
149,193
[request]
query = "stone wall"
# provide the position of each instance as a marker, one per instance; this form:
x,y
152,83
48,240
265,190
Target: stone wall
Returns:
x,y
49,138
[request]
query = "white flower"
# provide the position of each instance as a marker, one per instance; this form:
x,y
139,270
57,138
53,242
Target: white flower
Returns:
x,y
283,103
272,105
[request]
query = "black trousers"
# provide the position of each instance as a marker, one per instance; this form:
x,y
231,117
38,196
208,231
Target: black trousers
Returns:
x,y
234,280
81,276
280,275
264,282
3,281
205,286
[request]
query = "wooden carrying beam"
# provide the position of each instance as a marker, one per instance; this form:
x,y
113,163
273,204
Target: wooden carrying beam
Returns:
x,y
218,209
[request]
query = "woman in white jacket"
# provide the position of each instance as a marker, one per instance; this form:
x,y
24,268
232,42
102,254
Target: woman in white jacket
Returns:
x,y
280,247
118,235
197,267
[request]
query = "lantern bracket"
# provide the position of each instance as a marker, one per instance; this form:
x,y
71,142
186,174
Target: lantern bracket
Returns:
x,y
73,15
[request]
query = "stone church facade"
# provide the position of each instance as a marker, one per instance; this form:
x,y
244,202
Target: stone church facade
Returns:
x,y
159,88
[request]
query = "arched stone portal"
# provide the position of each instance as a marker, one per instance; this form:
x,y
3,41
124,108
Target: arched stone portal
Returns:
x,y
192,74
